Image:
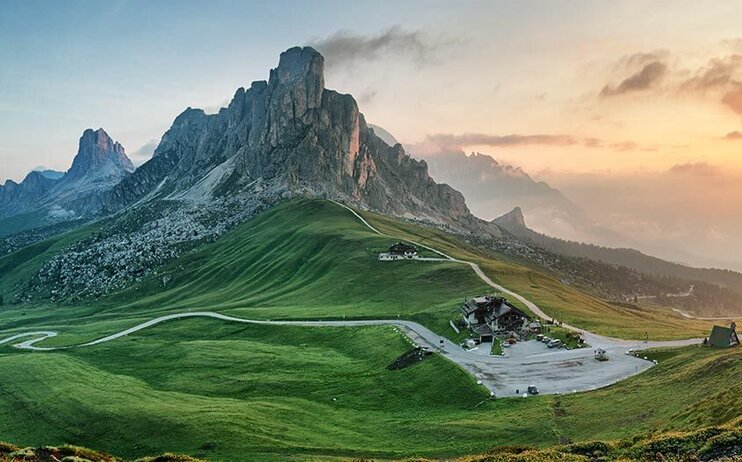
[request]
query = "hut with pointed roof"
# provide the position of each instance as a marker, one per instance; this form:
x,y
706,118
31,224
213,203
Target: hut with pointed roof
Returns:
x,y
724,337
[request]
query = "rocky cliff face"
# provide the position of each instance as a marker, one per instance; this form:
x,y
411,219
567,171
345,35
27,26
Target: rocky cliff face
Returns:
x,y
292,136
99,158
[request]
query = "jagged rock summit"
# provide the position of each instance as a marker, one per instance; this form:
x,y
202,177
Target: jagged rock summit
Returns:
x,y
513,219
99,157
291,136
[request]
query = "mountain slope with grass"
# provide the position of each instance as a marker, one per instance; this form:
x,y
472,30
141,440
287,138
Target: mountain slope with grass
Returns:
x,y
629,258
215,390
307,259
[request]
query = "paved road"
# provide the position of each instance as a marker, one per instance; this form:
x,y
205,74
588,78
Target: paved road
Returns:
x,y
559,371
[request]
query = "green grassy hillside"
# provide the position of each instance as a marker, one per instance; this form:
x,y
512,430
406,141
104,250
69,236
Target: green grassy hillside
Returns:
x,y
216,390
313,259
220,390
303,259
565,303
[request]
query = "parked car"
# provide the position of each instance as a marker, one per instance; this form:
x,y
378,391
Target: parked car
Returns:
x,y
556,343
546,339
540,337
532,390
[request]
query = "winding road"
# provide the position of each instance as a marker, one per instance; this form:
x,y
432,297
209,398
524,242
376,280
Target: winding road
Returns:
x,y
553,371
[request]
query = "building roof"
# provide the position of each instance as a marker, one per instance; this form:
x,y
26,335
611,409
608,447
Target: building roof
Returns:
x,y
494,307
402,247
723,336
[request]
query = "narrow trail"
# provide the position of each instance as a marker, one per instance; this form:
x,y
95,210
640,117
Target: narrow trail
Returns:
x,y
500,376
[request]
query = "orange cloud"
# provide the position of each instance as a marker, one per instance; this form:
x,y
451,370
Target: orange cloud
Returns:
x,y
647,77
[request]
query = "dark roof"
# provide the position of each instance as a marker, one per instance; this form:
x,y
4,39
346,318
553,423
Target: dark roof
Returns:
x,y
401,248
469,307
506,308
723,337
495,306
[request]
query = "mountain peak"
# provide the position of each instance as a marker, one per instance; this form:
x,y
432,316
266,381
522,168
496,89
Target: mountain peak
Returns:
x,y
512,218
99,154
301,71
288,137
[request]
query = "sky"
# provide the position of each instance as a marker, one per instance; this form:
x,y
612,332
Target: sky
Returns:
x,y
608,99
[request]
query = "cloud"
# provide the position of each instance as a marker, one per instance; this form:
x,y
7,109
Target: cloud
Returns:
x,y
733,136
648,76
625,146
446,143
481,139
367,96
733,98
668,208
721,77
346,47
144,153
593,142
697,169
719,72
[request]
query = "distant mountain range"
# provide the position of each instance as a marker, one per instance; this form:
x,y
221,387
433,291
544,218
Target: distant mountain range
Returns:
x,y
514,223
47,196
492,188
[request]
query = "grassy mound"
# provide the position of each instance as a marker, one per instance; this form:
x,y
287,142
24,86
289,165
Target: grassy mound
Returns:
x,y
722,443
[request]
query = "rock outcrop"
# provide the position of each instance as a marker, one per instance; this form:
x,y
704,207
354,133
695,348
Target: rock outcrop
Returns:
x,y
513,219
99,158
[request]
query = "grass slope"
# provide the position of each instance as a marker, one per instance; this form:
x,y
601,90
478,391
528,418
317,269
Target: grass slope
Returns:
x,y
565,303
304,259
221,390
216,390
